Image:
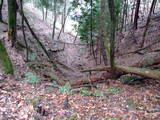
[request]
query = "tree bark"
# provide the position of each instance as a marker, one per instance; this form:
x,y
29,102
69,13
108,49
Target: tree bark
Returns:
x,y
55,19
112,36
5,61
1,5
64,15
136,14
23,31
102,31
122,70
12,19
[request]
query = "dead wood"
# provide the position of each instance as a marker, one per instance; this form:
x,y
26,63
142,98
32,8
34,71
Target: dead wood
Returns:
x,y
122,70
147,73
140,49
91,81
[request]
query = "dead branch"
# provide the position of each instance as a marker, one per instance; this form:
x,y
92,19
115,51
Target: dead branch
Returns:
x,y
140,49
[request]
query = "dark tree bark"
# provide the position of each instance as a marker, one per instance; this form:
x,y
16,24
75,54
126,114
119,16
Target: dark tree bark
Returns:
x,y
102,31
12,19
55,19
136,14
64,15
62,28
112,35
1,5
154,7
46,15
23,31
132,12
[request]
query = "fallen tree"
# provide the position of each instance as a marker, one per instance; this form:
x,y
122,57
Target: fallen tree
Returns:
x,y
145,63
146,73
123,70
120,70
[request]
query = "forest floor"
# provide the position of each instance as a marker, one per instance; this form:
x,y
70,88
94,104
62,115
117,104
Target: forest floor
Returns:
x,y
112,100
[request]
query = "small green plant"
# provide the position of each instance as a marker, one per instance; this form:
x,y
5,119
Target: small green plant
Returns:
x,y
85,92
72,117
31,77
113,119
53,76
65,89
130,103
32,56
126,79
98,93
33,101
113,90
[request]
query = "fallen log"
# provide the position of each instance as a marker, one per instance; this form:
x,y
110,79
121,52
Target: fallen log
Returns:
x,y
121,70
146,73
91,81
145,63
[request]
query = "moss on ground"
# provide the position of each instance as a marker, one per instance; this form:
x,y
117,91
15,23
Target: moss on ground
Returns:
x,y
5,61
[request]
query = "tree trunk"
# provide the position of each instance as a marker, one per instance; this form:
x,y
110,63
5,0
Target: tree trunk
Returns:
x,y
64,15
148,21
132,11
1,5
62,28
102,31
112,36
12,19
46,14
55,19
23,31
136,14
5,61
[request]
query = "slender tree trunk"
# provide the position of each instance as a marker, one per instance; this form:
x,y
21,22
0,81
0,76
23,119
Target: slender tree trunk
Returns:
x,y
132,11
112,36
23,31
154,6
136,14
1,5
102,31
43,13
92,51
62,28
12,18
55,19
64,14
46,14
147,23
